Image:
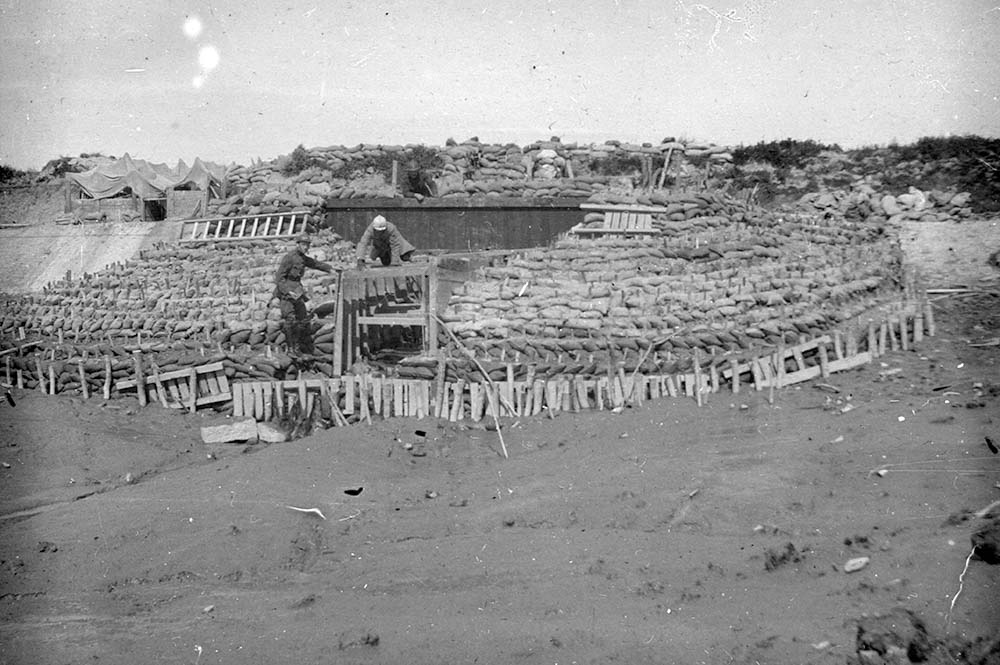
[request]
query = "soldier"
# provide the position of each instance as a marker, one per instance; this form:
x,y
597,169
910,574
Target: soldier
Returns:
x,y
292,296
383,241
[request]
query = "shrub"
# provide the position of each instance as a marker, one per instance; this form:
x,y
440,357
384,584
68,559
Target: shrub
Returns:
x,y
788,153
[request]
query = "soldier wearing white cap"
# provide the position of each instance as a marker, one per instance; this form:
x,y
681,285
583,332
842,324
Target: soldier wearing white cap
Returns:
x,y
383,241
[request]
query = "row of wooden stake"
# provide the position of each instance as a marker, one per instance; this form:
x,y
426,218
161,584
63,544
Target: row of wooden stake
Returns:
x,y
364,395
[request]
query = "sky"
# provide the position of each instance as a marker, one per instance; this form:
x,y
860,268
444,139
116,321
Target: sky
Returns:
x,y
235,81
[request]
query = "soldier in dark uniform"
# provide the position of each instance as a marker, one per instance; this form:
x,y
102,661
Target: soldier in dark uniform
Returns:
x,y
417,183
292,296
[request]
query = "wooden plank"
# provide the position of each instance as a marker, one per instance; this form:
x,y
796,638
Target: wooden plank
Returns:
x,y
397,398
175,374
349,385
851,362
622,206
264,400
456,407
376,384
392,320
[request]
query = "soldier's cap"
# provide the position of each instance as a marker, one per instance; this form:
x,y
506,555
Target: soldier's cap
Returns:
x,y
380,223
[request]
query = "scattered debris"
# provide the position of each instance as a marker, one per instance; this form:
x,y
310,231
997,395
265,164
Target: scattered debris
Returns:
x,y
986,542
366,640
240,431
774,559
208,609
992,446
354,491
314,511
856,564
899,636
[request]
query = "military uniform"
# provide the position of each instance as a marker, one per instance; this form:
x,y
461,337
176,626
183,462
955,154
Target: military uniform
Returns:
x,y
383,241
292,298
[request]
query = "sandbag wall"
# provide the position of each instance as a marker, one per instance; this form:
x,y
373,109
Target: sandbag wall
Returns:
x,y
468,169
211,294
710,283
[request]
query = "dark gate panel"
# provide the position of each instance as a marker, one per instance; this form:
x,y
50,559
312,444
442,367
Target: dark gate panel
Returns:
x,y
465,225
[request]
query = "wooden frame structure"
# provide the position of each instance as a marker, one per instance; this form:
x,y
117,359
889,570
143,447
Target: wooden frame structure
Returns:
x,y
182,388
371,299
620,220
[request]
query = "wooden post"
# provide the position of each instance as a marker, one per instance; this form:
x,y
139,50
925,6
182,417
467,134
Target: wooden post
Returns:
x,y
41,374
84,388
239,409
904,337
7,367
872,340
439,391
918,326
824,361
734,368
929,319
140,378
160,392
107,377
697,376
193,390
52,380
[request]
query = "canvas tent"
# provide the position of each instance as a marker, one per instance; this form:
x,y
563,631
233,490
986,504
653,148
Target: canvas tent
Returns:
x,y
147,180
156,190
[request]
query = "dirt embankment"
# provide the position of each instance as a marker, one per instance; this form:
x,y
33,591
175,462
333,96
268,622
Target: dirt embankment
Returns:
x,y
43,252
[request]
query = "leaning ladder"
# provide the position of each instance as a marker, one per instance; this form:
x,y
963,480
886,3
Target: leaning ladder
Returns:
x,y
273,226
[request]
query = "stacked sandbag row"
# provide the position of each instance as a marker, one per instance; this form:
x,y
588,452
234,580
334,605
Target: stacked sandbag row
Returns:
x,y
545,169
214,293
721,287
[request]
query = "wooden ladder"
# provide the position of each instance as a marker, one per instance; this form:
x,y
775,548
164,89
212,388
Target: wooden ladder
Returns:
x,y
273,226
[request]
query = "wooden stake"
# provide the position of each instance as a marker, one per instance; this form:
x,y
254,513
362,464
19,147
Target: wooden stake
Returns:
x,y
107,377
140,378
734,368
929,319
697,376
193,390
824,361
41,374
160,392
84,388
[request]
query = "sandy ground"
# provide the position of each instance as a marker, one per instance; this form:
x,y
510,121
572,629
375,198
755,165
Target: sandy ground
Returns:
x,y
33,256
664,534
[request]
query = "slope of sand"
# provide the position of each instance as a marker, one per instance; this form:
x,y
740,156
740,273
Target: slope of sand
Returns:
x,y
39,253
